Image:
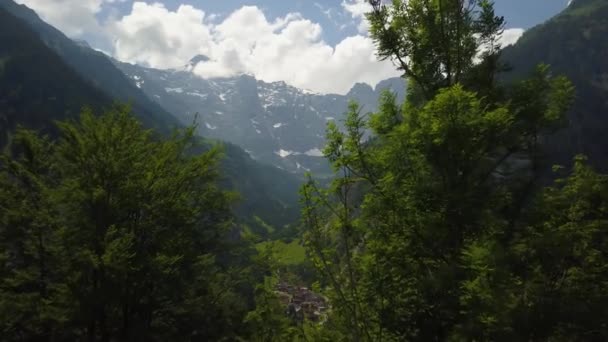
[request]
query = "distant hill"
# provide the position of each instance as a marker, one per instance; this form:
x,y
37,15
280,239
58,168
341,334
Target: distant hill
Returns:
x,y
575,44
45,76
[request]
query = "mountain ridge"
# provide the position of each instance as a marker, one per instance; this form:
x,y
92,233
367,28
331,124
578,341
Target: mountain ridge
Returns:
x,y
275,122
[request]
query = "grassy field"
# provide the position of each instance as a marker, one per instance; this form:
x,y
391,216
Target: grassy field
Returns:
x,y
286,253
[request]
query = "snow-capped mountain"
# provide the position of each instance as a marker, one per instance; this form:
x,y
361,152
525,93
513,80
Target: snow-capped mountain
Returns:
x,y
274,122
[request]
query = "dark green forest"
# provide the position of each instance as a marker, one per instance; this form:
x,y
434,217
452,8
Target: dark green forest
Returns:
x,y
474,210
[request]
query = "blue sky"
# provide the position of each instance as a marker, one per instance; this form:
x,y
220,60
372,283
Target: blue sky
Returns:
x,y
322,45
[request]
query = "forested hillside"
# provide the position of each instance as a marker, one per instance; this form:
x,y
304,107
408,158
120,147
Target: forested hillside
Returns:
x,y
445,219
573,44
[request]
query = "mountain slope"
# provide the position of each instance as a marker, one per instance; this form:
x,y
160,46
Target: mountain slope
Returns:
x,y
575,44
36,86
95,67
39,86
275,122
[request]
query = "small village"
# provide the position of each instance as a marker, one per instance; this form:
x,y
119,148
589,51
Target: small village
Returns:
x,y
301,303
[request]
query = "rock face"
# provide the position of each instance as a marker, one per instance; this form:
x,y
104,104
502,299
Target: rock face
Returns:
x,y
274,122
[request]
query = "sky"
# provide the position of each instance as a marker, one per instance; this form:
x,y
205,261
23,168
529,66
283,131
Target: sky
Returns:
x,y
320,45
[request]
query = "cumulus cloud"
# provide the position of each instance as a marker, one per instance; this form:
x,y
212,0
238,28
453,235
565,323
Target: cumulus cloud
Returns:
x,y
154,36
288,48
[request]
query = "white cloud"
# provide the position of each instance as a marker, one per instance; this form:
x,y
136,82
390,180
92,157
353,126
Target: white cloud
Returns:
x,y
511,36
72,17
357,10
288,48
508,37
153,35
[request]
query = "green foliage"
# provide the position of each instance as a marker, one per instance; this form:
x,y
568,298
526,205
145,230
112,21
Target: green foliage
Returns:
x,y
562,252
436,227
435,42
109,233
269,321
545,283
292,253
267,195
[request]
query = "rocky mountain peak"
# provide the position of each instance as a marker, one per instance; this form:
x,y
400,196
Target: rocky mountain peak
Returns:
x,y
275,122
360,88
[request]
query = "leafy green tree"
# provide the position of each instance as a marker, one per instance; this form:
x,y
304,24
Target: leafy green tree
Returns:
x,y
112,233
546,283
436,42
29,304
423,214
269,321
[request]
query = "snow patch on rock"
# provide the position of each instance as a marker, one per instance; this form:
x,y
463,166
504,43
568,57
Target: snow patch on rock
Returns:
x,y
174,90
315,152
283,154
